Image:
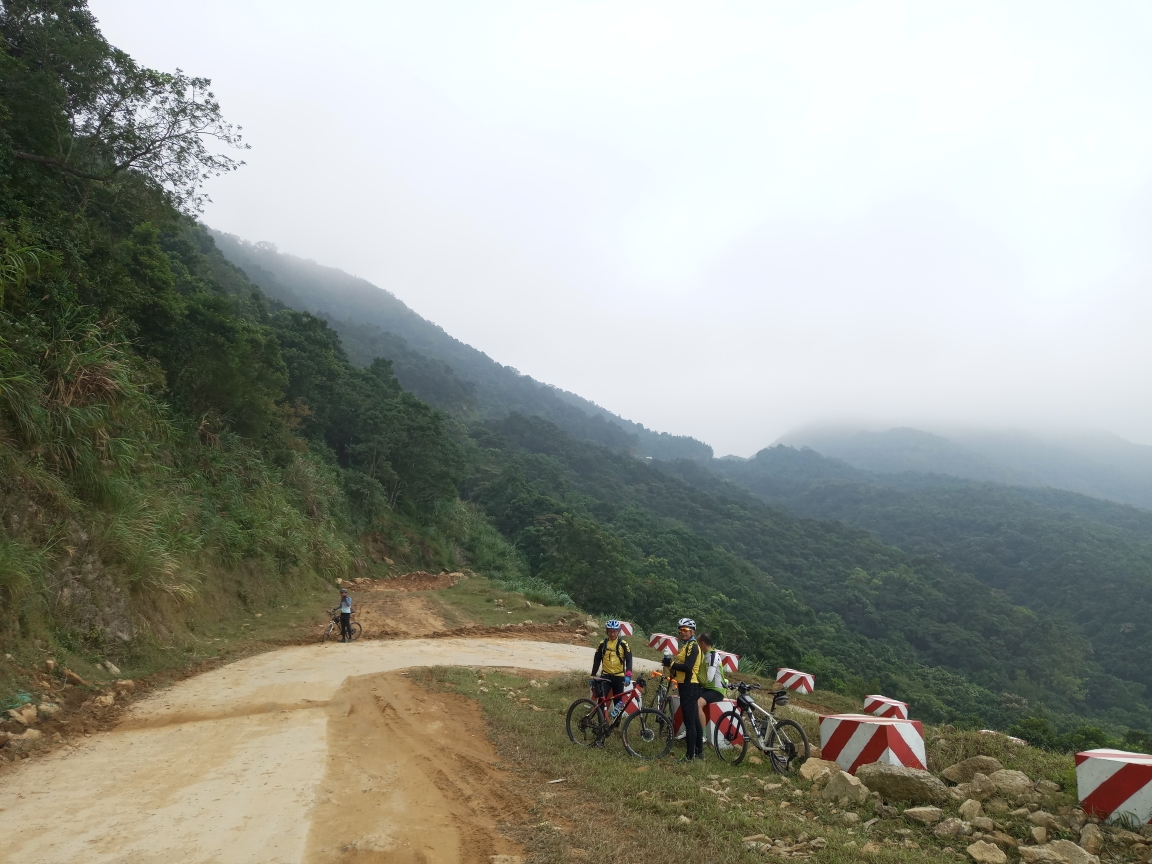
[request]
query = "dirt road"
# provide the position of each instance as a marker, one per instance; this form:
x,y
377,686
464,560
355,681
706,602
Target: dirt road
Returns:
x,y
305,754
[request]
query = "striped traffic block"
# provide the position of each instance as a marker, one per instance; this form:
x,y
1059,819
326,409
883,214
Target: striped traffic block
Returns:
x,y
713,711
633,698
852,740
729,661
1115,783
882,706
626,628
660,641
793,679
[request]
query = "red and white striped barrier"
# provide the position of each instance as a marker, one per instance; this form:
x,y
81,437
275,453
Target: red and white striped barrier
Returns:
x,y
882,706
852,740
1112,783
625,628
660,641
633,698
793,679
729,661
712,713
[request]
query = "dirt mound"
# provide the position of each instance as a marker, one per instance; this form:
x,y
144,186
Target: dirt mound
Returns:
x,y
417,580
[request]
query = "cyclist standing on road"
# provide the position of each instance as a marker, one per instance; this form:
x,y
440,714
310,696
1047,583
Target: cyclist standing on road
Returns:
x,y
685,669
345,616
712,683
616,658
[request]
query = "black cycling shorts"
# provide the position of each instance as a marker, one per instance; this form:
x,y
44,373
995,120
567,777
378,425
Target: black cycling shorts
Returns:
x,y
711,696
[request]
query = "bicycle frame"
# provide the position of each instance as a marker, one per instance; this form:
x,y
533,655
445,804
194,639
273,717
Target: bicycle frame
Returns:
x,y
604,703
752,717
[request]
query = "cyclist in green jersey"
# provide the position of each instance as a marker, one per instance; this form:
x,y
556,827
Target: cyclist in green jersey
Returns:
x,y
712,682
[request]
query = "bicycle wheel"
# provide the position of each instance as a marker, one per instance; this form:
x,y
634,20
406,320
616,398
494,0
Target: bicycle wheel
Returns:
x,y
356,630
647,734
583,723
729,739
329,632
788,747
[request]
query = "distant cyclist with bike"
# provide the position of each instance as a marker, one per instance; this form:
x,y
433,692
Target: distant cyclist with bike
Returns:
x,y
614,657
345,615
685,670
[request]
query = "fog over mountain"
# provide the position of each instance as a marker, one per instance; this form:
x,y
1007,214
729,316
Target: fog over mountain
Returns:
x,y
727,221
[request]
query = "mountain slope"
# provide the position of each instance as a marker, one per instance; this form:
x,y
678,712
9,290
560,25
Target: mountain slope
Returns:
x,y
1056,552
374,323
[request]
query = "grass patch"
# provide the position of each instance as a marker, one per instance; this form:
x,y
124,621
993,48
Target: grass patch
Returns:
x,y
478,600
611,805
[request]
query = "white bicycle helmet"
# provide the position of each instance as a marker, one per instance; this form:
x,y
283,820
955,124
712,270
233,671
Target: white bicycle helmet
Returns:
x,y
611,624
687,622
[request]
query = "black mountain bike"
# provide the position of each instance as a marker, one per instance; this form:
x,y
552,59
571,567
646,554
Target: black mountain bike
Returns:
x,y
332,631
784,742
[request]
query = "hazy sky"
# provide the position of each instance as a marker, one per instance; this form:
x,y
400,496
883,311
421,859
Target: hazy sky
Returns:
x,y
718,219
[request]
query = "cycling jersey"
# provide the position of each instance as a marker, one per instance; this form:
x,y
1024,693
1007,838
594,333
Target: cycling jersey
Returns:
x,y
616,657
686,666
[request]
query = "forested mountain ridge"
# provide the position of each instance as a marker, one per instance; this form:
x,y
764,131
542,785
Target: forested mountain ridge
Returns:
x,y
1057,552
175,442
435,366
1103,466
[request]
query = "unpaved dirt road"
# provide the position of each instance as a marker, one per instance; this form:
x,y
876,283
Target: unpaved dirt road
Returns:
x,y
304,754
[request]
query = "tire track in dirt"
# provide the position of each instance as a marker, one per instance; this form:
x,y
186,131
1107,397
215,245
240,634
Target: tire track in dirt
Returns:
x,y
244,763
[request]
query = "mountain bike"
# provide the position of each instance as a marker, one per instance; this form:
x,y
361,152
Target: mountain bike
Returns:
x,y
646,732
784,742
332,631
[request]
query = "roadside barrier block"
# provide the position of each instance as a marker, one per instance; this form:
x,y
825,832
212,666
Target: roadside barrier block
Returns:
x,y
729,661
660,641
712,713
625,628
794,679
1115,784
852,740
882,706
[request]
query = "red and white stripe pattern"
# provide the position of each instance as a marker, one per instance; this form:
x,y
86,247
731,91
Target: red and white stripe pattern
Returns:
x,y
625,628
729,661
794,679
852,740
882,706
712,714
1114,782
633,698
660,641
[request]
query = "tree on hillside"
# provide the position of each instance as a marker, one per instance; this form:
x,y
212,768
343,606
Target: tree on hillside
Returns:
x,y
72,103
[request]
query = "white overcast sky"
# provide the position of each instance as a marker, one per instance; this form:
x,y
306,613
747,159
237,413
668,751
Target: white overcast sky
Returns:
x,y
718,219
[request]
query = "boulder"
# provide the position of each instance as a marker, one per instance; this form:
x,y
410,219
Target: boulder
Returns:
x,y
1056,852
48,709
1011,784
105,701
897,783
25,715
950,827
1091,839
983,823
962,772
925,815
1002,840
1047,787
111,667
818,770
983,852
844,785
24,739
4,736
124,685
970,809
1124,836
1045,820
981,787
1039,835
996,805
74,679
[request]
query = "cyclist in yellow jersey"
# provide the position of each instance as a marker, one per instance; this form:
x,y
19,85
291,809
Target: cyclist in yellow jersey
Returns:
x,y
685,669
615,657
